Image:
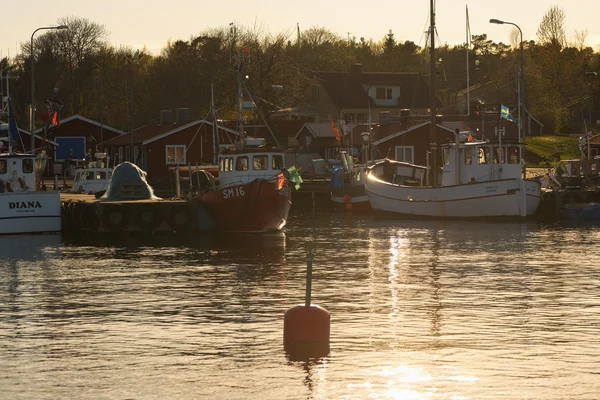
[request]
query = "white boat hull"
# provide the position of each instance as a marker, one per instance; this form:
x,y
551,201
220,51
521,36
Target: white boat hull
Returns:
x,y
507,197
30,212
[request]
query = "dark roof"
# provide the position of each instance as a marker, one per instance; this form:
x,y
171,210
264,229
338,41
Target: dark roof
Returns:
x,y
144,133
346,88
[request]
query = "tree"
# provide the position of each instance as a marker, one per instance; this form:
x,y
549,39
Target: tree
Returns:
x,y
551,30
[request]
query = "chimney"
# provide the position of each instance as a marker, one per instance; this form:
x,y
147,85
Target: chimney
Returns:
x,y
356,71
183,115
166,116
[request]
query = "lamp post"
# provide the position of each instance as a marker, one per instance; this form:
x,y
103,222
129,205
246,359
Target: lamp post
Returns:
x,y
521,83
32,122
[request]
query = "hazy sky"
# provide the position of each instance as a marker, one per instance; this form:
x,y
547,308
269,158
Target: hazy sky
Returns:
x,y
151,23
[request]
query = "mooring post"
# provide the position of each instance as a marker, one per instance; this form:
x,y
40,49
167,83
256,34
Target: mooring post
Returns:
x,y
310,252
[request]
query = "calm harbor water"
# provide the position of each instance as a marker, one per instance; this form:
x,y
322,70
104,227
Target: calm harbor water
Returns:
x,y
420,310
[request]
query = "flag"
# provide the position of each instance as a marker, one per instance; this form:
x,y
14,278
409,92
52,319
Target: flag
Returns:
x,y
13,131
505,113
295,176
55,120
335,130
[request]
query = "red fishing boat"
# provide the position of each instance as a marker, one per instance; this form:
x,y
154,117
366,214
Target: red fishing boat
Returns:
x,y
252,194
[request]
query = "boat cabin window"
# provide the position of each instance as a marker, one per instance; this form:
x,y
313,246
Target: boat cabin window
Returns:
x,y
483,155
3,166
499,155
100,175
241,164
446,156
468,156
513,155
27,165
277,162
260,162
226,164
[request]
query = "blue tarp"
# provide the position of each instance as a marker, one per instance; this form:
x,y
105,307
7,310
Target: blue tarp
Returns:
x,y
337,177
70,148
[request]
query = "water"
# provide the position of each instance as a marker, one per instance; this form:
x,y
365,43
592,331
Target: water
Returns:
x,y
420,309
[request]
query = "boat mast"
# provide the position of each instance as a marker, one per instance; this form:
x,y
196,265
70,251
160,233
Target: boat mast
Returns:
x,y
434,157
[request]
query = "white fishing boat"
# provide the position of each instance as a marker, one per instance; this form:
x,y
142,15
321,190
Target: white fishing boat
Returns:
x,y
94,178
479,179
23,209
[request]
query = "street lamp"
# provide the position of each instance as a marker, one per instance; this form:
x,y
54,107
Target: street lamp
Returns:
x,y
521,83
32,122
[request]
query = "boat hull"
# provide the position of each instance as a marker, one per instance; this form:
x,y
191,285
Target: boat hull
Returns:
x,y
498,198
351,198
30,212
257,206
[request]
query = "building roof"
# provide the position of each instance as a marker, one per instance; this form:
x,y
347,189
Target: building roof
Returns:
x,y
346,88
87,120
318,130
412,128
150,133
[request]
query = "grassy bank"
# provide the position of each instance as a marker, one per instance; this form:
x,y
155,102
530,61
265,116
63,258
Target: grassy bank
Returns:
x,y
543,151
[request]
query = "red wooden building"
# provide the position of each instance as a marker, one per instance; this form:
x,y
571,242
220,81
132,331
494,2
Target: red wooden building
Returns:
x,y
413,143
158,147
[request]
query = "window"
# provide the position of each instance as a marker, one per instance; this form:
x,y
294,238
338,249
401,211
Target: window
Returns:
x,y
405,154
260,162
468,156
499,154
225,164
241,164
3,166
27,165
513,155
382,93
316,92
277,162
483,155
175,154
446,156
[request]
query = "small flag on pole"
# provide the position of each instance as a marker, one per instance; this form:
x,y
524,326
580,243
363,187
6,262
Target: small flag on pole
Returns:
x,y
505,113
335,130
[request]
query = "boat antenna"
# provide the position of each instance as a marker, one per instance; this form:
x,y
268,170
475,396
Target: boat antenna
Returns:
x,y
432,102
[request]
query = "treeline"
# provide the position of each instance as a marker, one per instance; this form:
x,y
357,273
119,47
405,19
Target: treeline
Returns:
x,y
129,87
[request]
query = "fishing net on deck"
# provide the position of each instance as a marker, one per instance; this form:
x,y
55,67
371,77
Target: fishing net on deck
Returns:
x,y
128,182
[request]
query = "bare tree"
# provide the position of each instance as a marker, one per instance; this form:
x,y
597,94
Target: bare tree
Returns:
x,y
551,30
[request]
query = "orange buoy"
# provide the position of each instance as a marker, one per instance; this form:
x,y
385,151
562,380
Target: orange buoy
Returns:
x,y
347,198
306,327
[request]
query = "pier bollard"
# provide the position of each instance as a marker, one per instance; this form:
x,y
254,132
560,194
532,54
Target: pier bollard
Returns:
x,y
306,327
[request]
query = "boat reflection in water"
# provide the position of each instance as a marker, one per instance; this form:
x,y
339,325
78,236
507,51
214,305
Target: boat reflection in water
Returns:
x,y
24,248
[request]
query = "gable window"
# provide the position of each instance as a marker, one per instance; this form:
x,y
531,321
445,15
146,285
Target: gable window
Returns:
x,y
382,93
316,92
175,154
405,154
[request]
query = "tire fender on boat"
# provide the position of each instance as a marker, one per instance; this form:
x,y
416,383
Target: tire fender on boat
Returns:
x,y
114,217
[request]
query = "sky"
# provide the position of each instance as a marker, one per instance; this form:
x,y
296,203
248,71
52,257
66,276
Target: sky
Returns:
x,y
151,23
